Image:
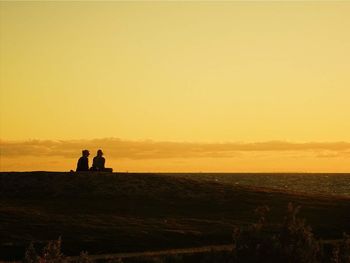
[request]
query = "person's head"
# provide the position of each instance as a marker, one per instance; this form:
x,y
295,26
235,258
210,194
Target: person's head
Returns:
x,y
99,153
85,153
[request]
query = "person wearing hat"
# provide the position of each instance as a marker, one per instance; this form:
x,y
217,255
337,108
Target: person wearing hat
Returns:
x,y
98,163
83,162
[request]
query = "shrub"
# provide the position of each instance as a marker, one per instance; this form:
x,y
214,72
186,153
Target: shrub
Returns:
x,y
341,251
293,242
31,256
252,244
52,254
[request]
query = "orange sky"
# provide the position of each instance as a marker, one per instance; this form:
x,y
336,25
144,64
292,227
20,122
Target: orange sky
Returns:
x,y
184,85
156,156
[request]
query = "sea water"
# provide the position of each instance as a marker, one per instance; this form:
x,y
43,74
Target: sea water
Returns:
x,y
314,183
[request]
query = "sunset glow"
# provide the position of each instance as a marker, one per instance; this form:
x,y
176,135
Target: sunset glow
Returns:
x,y
176,86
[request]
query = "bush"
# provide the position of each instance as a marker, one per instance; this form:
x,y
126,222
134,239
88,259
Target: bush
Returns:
x,y
31,256
293,241
341,251
52,254
296,242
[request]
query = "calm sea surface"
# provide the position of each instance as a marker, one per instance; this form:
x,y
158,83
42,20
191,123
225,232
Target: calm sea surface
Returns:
x,y
338,184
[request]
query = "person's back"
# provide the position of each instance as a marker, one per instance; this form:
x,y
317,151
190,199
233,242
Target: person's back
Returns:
x,y
98,163
83,162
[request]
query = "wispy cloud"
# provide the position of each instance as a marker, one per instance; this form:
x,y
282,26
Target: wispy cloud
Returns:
x,y
147,149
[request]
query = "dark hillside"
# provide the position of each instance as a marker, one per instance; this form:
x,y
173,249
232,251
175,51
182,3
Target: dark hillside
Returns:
x,y
125,212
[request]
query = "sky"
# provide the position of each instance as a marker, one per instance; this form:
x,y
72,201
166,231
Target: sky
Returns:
x,y
176,86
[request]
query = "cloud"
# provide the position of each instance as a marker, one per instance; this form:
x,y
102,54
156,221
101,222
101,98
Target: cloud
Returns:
x,y
116,148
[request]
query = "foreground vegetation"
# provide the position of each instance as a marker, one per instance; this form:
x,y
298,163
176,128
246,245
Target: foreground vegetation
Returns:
x,y
293,242
114,213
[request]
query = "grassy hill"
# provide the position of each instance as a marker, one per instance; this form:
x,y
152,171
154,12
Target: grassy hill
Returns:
x,y
129,212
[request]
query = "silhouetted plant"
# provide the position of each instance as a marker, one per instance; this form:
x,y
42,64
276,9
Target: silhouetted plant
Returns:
x,y
296,242
52,252
293,242
31,256
341,252
252,244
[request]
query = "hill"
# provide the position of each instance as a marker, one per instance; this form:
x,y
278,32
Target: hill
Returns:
x,y
133,212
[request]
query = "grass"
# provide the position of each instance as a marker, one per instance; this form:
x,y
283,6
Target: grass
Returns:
x,y
127,212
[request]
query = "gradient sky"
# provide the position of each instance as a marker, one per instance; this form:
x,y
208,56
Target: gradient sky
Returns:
x,y
197,72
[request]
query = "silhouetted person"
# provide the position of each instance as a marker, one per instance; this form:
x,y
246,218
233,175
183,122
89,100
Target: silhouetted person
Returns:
x,y
83,162
98,163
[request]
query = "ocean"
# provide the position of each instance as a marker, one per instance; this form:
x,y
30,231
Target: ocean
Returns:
x,y
313,183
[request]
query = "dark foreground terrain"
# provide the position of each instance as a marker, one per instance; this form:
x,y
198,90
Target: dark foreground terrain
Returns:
x,y
125,212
